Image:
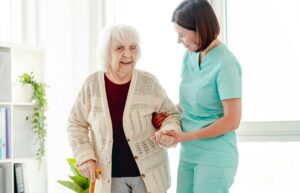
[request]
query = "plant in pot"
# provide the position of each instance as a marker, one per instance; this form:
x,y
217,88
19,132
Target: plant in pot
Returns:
x,y
40,107
79,183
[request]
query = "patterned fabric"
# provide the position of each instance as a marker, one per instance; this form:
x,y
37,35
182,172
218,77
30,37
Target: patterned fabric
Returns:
x,y
90,129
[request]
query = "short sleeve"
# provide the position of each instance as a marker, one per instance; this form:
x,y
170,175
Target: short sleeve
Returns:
x,y
229,81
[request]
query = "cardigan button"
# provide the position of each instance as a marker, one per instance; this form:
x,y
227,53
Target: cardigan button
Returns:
x,y
143,175
135,157
128,139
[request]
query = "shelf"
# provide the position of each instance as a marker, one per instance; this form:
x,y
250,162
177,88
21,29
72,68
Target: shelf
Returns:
x,y
22,47
24,160
23,104
5,103
5,161
16,104
17,136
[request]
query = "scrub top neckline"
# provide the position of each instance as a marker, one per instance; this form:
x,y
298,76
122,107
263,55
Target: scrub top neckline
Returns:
x,y
209,54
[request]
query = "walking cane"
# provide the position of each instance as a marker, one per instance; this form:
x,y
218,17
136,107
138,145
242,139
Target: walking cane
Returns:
x,y
92,185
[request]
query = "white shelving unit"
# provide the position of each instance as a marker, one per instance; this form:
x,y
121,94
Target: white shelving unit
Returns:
x,y
14,61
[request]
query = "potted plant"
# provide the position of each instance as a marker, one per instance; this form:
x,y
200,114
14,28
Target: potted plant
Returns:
x,y
78,183
22,92
40,107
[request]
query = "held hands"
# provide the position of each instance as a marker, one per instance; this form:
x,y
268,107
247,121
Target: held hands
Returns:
x,y
162,140
168,138
87,169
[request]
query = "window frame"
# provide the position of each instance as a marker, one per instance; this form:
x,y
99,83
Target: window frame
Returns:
x,y
258,131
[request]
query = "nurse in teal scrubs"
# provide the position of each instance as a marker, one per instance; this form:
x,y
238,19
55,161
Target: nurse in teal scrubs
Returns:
x,y
210,101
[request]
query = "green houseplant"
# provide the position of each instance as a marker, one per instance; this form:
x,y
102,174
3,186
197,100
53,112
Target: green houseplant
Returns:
x,y
79,183
40,107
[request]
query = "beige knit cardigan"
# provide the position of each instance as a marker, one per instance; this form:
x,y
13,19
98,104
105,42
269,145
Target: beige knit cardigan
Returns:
x,y
90,129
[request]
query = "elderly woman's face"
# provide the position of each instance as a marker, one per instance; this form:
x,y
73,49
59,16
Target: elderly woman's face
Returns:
x,y
124,58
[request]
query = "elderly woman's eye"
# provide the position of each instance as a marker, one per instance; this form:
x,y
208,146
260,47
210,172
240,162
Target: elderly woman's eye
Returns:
x,y
133,47
119,48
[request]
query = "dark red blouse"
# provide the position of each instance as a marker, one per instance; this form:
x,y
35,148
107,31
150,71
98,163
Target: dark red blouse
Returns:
x,y
123,163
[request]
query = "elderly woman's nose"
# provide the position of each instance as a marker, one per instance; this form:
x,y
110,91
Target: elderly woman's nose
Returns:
x,y
126,53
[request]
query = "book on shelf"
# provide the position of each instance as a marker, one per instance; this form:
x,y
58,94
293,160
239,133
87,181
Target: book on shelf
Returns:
x,y
5,74
3,133
20,178
2,180
7,135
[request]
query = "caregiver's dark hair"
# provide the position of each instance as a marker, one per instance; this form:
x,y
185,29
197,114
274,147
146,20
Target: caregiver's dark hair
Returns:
x,y
198,15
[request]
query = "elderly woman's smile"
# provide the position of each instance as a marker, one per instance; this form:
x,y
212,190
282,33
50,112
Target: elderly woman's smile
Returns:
x,y
126,62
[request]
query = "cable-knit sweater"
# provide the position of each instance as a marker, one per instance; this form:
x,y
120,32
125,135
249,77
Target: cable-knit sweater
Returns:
x,y
90,129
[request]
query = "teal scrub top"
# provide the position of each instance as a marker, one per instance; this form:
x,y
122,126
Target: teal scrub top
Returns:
x,y
202,89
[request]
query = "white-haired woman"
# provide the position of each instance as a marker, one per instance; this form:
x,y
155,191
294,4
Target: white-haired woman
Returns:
x,y
110,123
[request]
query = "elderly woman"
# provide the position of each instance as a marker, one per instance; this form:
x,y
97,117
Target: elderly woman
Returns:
x,y
110,123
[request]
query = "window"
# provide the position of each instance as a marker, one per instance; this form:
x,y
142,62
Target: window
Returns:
x,y
19,21
268,167
264,35
4,20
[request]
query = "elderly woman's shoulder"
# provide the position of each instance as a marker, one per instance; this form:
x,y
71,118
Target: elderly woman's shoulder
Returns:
x,y
147,75
92,78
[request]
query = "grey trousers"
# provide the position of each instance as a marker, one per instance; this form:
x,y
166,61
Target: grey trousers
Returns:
x,y
128,185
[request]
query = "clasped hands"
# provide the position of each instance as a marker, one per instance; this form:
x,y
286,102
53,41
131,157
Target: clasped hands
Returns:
x,y
165,138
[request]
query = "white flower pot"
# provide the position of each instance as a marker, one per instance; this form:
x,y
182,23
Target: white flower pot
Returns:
x,y
22,93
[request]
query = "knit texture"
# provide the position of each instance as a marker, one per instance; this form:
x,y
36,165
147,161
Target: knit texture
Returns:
x,y
90,129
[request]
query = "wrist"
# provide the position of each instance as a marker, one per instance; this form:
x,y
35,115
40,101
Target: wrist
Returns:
x,y
186,137
192,135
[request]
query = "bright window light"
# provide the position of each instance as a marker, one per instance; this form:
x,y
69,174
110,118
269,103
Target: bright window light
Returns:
x,y
264,35
5,20
266,167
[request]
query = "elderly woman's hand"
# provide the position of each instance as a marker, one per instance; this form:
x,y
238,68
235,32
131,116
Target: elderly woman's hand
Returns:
x,y
162,139
88,169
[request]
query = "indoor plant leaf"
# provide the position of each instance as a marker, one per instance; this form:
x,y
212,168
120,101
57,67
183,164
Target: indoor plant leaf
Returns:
x,y
71,185
72,164
83,182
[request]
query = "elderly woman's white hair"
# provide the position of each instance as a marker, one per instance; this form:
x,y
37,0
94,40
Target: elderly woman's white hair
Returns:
x,y
111,36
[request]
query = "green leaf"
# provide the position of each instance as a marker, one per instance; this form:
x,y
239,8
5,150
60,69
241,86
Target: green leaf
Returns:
x,y
86,191
71,185
83,182
72,164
